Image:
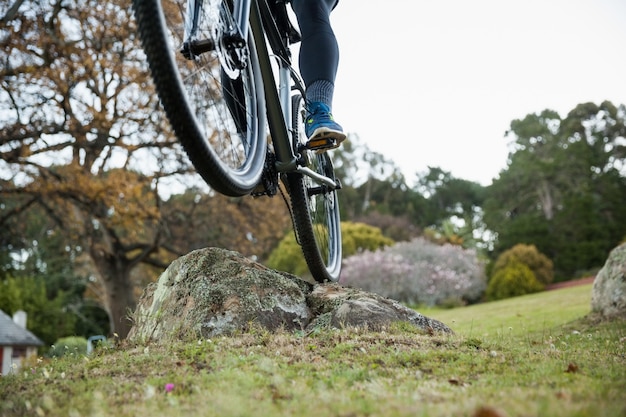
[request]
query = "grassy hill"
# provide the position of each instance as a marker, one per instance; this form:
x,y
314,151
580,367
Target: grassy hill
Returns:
x,y
518,316
529,356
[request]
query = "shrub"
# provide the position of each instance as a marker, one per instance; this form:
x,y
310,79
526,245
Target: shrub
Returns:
x,y
418,272
356,237
69,345
381,272
288,256
528,255
514,279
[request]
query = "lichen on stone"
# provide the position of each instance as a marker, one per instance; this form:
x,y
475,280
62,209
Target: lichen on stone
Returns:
x,y
214,291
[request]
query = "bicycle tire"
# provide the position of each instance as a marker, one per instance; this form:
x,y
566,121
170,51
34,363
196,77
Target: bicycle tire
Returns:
x,y
315,208
217,113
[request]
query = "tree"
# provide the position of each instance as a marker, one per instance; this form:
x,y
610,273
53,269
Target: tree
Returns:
x,y
454,208
41,251
78,113
448,196
46,317
564,188
398,228
251,226
371,183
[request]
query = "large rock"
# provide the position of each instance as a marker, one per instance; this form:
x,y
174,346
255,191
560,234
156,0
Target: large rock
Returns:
x,y
608,297
213,291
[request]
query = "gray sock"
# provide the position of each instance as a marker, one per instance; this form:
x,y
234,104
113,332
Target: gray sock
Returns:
x,y
321,91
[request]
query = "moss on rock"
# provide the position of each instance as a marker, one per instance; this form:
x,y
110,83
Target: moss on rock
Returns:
x,y
213,291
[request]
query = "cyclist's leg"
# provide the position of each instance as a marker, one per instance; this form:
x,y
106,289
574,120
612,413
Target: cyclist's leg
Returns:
x,y
319,51
319,60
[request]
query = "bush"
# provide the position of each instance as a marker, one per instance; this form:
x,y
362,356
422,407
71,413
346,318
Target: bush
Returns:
x,y
288,256
528,255
512,280
69,345
381,272
356,237
418,272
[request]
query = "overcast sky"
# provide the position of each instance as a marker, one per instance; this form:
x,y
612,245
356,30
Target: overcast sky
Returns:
x,y
437,83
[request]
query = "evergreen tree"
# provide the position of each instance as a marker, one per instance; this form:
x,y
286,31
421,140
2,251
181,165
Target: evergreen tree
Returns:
x,y
564,189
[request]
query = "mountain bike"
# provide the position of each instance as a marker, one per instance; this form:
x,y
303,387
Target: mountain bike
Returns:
x,y
224,75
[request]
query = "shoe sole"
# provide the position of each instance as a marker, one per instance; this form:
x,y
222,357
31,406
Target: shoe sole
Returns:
x,y
327,138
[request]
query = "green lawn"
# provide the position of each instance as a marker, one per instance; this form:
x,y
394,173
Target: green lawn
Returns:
x,y
518,316
536,355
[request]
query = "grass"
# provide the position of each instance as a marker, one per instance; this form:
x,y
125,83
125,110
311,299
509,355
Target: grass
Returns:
x,y
519,316
530,356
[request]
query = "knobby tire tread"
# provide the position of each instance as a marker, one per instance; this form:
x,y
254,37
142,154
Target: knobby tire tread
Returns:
x,y
318,264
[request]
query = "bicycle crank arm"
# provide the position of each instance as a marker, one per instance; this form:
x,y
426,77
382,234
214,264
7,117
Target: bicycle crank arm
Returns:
x,y
320,178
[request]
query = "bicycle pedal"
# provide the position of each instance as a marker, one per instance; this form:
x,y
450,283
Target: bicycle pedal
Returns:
x,y
320,144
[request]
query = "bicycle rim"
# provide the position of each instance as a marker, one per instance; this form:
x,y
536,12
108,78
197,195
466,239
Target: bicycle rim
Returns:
x,y
217,113
315,210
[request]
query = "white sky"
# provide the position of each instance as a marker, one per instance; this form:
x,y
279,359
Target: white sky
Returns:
x,y
437,82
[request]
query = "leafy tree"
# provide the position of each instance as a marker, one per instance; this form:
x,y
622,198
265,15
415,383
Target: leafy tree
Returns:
x,y
38,250
390,196
372,183
397,228
78,112
375,192
453,210
251,226
47,318
564,189
448,195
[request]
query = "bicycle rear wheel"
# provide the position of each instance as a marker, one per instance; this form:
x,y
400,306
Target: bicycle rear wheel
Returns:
x,y
216,108
315,208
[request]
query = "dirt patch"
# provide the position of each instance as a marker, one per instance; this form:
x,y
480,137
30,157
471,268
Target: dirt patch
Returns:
x,y
572,283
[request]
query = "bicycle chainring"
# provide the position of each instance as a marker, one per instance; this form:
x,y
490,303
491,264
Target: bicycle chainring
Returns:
x,y
269,180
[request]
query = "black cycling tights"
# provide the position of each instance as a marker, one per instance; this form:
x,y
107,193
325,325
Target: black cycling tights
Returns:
x,y
319,52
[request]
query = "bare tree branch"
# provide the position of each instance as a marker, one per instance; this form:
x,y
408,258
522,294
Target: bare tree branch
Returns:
x,y
10,15
18,210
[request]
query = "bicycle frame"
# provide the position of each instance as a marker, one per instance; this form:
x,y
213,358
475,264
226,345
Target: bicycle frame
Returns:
x,y
221,105
257,16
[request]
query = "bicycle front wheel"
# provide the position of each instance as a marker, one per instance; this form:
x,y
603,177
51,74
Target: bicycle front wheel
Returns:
x,y
211,90
315,208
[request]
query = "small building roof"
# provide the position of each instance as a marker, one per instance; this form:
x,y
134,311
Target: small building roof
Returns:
x,y
13,335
